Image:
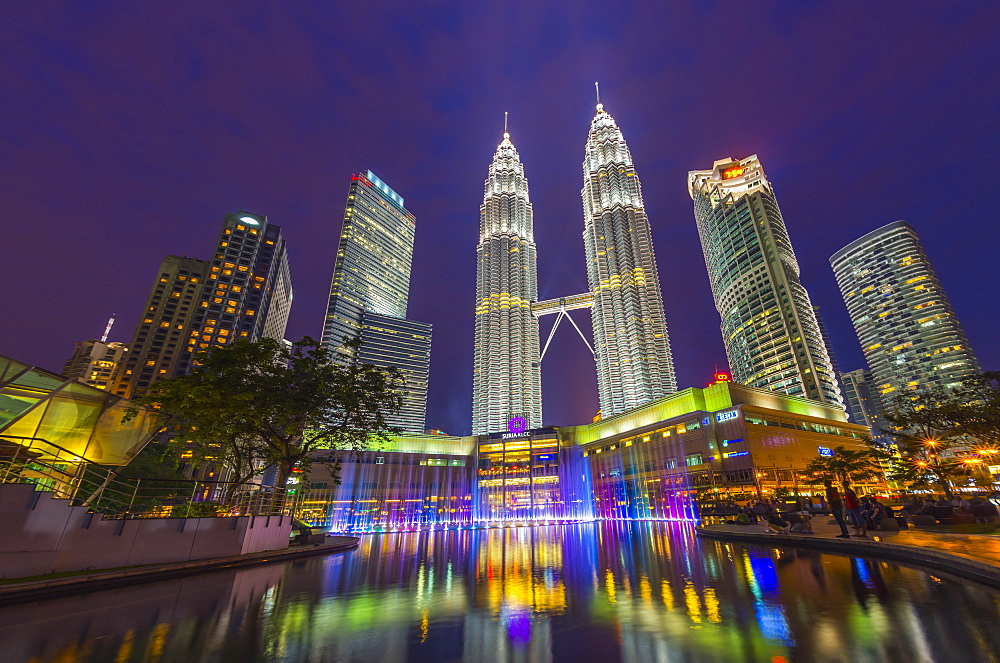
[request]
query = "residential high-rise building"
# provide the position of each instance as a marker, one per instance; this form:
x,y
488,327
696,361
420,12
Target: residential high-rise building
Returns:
x,y
244,292
631,346
506,375
904,321
159,347
769,327
95,362
248,289
370,291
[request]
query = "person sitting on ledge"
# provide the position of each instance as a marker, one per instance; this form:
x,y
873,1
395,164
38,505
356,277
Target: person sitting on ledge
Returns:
x,y
804,526
775,522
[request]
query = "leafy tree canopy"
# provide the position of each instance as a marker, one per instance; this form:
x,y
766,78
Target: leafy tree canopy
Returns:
x,y
944,436
845,465
260,405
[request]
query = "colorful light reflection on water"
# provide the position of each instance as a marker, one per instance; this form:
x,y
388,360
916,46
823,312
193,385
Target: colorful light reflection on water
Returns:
x,y
615,591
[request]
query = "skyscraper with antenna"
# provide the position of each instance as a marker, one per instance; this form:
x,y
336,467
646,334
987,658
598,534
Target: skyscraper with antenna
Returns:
x,y
94,361
631,345
506,375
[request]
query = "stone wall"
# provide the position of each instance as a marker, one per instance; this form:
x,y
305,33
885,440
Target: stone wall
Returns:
x,y
40,534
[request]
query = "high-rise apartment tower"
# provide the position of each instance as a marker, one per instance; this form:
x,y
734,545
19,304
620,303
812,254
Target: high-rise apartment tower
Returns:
x,y
243,292
248,289
370,291
769,326
95,362
506,374
631,346
159,347
904,321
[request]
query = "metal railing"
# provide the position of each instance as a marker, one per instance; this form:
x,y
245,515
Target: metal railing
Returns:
x,y
115,495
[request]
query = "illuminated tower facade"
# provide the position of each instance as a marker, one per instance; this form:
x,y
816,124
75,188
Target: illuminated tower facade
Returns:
x,y
904,321
507,375
769,326
631,346
370,291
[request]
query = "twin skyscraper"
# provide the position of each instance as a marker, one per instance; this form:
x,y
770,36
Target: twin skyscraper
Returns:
x,y
631,346
771,332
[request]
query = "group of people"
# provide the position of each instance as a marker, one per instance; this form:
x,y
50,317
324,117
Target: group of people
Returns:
x,y
863,513
797,522
978,506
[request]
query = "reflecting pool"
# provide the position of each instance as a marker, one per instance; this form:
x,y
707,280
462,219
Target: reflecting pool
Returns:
x,y
626,591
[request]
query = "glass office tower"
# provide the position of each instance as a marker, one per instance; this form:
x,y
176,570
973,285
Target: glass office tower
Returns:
x,y
370,290
506,373
769,326
904,321
632,349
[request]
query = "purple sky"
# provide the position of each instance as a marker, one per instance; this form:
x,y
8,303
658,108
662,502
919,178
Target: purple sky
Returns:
x,y
128,131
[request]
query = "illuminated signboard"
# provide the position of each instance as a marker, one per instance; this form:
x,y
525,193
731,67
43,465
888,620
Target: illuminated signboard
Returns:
x,y
517,425
730,173
823,451
734,454
726,416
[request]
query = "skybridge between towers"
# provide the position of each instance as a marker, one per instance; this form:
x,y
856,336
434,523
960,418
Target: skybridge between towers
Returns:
x,y
562,306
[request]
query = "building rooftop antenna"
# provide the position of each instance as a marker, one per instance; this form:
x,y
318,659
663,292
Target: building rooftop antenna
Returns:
x,y
597,88
107,330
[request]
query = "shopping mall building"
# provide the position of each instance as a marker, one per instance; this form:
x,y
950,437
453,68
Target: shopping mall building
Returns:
x,y
725,441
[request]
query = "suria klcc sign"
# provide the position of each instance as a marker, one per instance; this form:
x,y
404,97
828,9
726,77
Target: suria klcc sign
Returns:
x,y
516,426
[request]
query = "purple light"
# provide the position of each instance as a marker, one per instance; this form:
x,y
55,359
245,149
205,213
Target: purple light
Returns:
x,y
517,425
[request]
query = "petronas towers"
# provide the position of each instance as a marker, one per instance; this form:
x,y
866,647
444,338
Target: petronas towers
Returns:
x,y
507,380
631,345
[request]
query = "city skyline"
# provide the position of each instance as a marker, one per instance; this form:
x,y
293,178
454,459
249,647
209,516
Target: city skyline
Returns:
x,y
837,127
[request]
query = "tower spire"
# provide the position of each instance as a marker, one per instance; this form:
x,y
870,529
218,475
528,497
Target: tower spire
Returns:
x,y
505,121
107,330
597,88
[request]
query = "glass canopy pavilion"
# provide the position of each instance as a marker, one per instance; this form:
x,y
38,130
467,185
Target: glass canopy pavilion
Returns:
x,y
56,418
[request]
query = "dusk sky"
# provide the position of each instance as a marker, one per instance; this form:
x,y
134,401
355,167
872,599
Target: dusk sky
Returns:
x,y
128,131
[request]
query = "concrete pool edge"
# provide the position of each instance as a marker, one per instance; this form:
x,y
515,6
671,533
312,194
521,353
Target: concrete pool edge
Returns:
x,y
98,580
966,567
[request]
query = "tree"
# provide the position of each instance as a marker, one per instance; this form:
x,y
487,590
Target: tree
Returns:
x,y
259,405
845,465
974,412
943,436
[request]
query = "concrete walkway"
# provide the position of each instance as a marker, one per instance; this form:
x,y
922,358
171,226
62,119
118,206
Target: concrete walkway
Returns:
x,y
86,581
972,555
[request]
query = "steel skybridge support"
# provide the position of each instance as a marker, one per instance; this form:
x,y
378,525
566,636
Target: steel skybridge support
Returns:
x,y
562,306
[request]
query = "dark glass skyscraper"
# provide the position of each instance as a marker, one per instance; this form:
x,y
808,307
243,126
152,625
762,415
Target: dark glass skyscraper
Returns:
x,y
769,326
370,290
